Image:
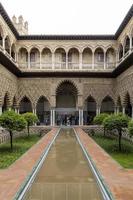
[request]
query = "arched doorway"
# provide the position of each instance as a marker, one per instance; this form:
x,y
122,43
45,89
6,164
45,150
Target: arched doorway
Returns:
x,y
66,101
25,106
89,110
43,111
107,105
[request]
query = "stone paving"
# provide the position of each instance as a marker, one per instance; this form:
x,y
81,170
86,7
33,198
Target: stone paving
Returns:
x,y
12,178
118,179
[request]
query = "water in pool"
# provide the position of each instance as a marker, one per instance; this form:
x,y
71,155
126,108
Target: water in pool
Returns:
x,y
65,173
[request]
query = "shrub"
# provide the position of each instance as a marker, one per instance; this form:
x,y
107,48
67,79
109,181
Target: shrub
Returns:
x,y
100,118
30,119
116,122
12,122
130,127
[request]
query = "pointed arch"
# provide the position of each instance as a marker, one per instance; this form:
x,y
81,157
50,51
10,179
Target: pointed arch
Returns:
x,y
43,110
126,44
7,44
89,110
25,105
73,58
107,105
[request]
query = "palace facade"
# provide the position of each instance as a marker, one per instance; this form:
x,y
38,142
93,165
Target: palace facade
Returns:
x,y
65,78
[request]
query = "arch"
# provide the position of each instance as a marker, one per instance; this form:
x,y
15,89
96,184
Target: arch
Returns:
x,y
60,47
7,44
99,58
126,44
60,58
89,110
73,58
34,57
23,57
66,103
110,57
120,51
107,105
67,81
6,102
87,58
46,58
127,104
25,105
13,51
43,110
1,35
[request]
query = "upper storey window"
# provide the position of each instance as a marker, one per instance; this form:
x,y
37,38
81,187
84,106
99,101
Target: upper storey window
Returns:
x,y
99,55
127,44
32,57
120,51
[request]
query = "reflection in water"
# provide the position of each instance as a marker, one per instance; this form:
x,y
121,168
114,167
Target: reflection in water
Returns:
x,y
65,174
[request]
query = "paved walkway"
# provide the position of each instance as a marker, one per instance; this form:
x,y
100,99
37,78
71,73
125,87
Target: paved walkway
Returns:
x,y
12,177
118,179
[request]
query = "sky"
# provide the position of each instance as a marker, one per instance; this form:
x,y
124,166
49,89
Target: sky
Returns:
x,y
70,16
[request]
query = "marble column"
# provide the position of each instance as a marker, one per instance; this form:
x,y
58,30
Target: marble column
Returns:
x,y
0,110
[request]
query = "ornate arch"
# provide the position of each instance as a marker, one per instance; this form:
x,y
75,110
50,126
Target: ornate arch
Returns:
x,y
67,81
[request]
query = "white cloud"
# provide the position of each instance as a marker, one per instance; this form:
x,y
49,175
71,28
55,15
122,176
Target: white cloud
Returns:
x,y
70,16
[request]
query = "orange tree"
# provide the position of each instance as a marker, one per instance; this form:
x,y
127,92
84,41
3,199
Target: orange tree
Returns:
x,y
12,121
116,122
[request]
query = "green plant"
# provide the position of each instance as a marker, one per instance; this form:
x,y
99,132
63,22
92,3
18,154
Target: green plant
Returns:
x,y
116,122
30,119
130,127
100,118
12,122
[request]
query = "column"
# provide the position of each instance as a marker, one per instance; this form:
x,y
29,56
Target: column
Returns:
x,y
40,60
123,110
93,60
53,60
3,43
130,43
104,60
51,117
15,110
0,110
66,60
97,110
80,60
10,50
132,111
80,117
28,60
115,110
18,110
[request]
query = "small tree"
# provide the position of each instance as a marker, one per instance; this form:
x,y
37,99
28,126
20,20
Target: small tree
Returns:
x,y
12,122
116,122
30,119
99,119
130,127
